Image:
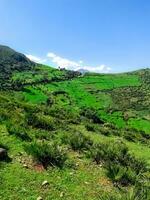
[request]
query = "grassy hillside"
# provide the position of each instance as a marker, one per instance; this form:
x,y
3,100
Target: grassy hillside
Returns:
x,y
11,61
87,136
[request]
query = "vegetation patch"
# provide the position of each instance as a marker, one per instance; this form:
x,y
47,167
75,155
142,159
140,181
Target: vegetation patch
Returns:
x,y
89,132
47,153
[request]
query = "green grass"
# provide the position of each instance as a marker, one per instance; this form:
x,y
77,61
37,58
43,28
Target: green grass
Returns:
x,y
87,182
17,182
51,107
116,118
89,91
40,73
140,124
140,151
34,95
104,82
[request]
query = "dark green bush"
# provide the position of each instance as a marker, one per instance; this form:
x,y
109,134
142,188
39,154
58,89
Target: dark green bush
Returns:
x,y
91,114
133,193
40,120
68,113
18,131
47,153
112,151
122,166
90,127
77,141
137,164
97,152
120,174
41,134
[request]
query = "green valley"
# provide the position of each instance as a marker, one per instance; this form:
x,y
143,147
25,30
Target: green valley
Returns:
x,y
72,136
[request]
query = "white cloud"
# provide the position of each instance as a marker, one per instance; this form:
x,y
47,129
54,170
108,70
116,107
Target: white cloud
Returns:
x,y
59,61
72,65
81,61
36,59
62,62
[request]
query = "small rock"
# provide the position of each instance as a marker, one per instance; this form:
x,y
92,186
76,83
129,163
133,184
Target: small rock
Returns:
x,y
45,183
39,198
61,194
77,164
3,153
25,165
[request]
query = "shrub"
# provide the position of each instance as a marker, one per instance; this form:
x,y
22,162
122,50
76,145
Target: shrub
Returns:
x,y
137,164
133,193
122,167
111,152
41,134
18,131
91,114
47,153
68,113
104,130
40,120
50,101
142,187
90,127
97,153
77,141
121,174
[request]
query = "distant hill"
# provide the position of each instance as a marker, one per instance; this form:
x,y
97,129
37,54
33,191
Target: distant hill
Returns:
x,y
10,61
83,71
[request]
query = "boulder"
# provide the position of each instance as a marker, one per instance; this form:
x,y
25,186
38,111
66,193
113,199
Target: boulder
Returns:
x,y
3,154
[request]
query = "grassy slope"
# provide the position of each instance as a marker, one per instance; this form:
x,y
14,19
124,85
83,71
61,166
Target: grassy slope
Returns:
x,y
112,98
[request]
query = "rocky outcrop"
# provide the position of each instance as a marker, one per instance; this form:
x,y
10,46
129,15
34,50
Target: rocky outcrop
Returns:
x,y
3,154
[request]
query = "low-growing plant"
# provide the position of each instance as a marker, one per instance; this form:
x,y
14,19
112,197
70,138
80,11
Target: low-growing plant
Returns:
x,y
91,114
77,141
90,127
97,153
120,174
121,165
40,120
47,153
132,193
18,131
41,134
111,152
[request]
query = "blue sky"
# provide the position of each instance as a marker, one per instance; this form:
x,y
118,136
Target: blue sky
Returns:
x,y
100,35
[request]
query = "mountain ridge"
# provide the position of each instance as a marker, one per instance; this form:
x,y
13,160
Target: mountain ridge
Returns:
x,y
11,57
6,53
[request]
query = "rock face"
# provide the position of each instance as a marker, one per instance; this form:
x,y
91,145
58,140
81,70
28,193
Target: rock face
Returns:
x,y
3,154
